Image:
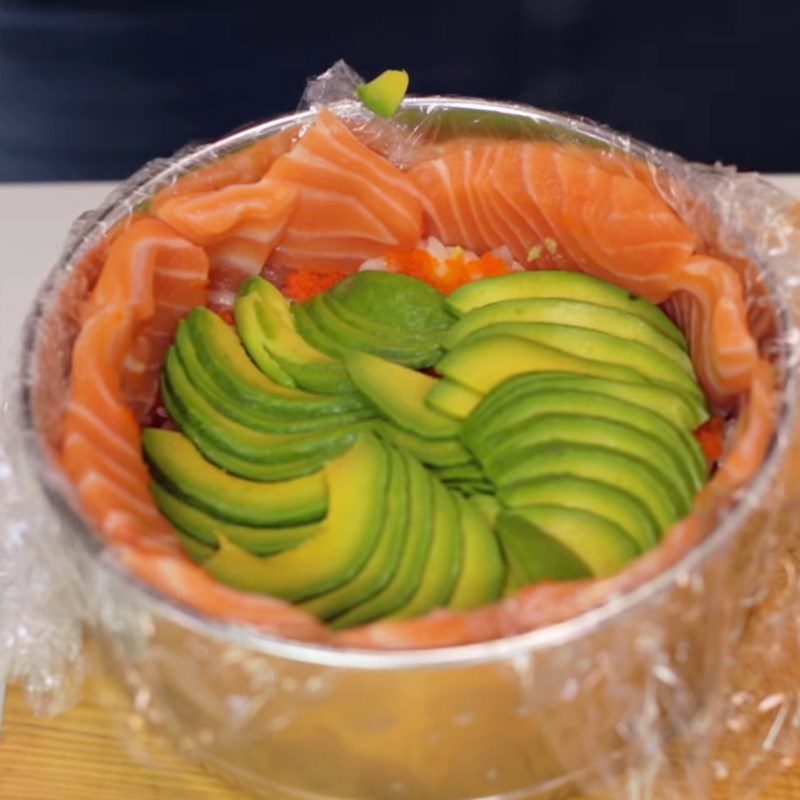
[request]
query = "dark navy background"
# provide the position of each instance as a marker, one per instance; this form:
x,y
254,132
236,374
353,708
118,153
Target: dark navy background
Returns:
x,y
90,90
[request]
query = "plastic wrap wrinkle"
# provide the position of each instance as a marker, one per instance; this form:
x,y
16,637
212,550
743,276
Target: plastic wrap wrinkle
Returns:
x,y
654,694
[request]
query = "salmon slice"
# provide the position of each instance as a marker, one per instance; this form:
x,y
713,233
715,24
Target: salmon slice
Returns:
x,y
100,450
238,225
550,602
247,165
157,276
569,208
708,305
352,204
539,193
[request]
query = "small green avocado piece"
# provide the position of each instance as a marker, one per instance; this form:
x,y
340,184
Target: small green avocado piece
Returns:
x,y
483,572
563,284
179,466
207,529
436,452
556,310
397,300
385,558
556,543
485,362
220,351
399,394
384,94
602,348
417,544
451,398
611,502
357,506
443,566
266,325
595,463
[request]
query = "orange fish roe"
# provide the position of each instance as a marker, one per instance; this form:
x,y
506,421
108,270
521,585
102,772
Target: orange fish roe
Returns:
x,y
227,315
303,284
448,275
710,435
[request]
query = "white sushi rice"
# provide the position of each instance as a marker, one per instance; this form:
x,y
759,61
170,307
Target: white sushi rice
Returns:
x,y
443,253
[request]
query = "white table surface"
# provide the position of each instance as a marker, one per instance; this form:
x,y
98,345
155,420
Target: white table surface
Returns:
x,y
34,220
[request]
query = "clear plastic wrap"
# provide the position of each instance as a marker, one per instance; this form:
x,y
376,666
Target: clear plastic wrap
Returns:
x,y
682,679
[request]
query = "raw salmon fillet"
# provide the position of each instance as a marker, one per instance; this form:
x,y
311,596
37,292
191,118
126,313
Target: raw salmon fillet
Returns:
x,y
352,203
564,207
238,225
247,165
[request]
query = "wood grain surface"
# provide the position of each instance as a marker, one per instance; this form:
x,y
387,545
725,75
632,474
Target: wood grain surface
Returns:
x,y
88,754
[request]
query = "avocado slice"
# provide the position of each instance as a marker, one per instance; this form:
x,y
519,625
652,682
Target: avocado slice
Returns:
x,y
399,393
223,356
417,543
487,361
197,415
236,465
483,571
357,506
452,398
443,567
410,340
436,452
487,506
384,94
556,310
207,529
179,467
562,284
385,558
674,407
469,471
234,407
555,428
348,336
198,551
486,430
266,325
594,463
308,328
552,542
611,502
599,347
396,300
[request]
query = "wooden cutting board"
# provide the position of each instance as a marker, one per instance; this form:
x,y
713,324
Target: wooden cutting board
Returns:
x,y
83,755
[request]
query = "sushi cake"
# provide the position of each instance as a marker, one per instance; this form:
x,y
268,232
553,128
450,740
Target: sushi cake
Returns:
x,y
410,405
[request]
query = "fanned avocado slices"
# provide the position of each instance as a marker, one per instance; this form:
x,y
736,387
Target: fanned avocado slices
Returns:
x,y
550,440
